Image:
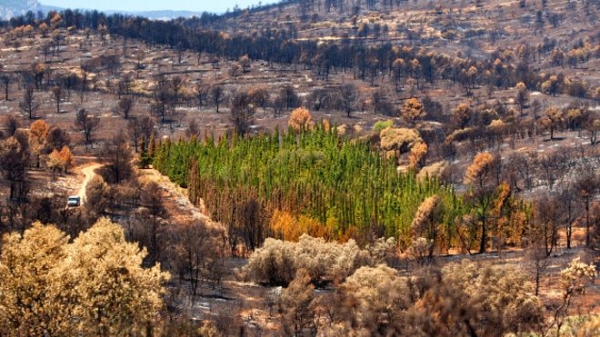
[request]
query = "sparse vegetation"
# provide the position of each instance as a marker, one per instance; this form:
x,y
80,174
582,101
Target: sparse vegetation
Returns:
x,y
351,152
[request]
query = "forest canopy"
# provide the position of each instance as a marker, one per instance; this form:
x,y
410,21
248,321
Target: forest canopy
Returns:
x,y
315,180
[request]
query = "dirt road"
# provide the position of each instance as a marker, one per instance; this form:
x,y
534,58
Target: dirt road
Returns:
x,y
88,172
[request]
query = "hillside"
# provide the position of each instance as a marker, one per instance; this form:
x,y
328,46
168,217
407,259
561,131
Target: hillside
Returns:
x,y
482,30
416,169
12,8
435,23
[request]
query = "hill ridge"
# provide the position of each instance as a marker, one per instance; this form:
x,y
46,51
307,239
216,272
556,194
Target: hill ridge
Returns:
x,y
12,8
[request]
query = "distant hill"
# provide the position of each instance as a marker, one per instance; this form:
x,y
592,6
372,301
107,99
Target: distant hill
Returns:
x,y
11,8
160,15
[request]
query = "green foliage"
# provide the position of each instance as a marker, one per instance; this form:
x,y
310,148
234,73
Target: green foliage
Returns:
x,y
380,125
315,173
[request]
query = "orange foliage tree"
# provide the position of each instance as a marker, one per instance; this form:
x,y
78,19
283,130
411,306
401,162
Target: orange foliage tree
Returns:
x,y
300,119
417,156
481,176
61,160
289,228
38,134
552,120
412,110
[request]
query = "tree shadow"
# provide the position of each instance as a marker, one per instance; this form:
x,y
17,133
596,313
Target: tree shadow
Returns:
x,y
555,139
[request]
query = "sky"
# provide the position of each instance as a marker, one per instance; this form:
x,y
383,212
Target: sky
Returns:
x,y
211,6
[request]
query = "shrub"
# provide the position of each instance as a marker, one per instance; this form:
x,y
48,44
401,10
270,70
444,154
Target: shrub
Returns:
x,y
380,125
400,139
460,300
277,261
300,119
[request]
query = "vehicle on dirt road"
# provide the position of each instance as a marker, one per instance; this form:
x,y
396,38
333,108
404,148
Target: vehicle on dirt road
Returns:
x,y
74,201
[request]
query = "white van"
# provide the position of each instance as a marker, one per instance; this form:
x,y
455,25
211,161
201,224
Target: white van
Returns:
x,y
74,201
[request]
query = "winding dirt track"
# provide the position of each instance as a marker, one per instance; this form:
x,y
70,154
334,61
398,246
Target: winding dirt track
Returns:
x,y
88,172
175,199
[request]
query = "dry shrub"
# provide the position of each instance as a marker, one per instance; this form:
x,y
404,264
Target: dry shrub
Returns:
x,y
412,110
420,249
341,129
460,135
128,194
378,294
497,124
273,264
400,139
96,196
277,261
463,114
499,297
482,163
584,326
296,305
460,300
300,119
48,279
426,216
417,156
376,301
141,87
432,171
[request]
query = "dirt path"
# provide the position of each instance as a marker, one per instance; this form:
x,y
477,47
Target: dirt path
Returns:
x,y
178,206
88,172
